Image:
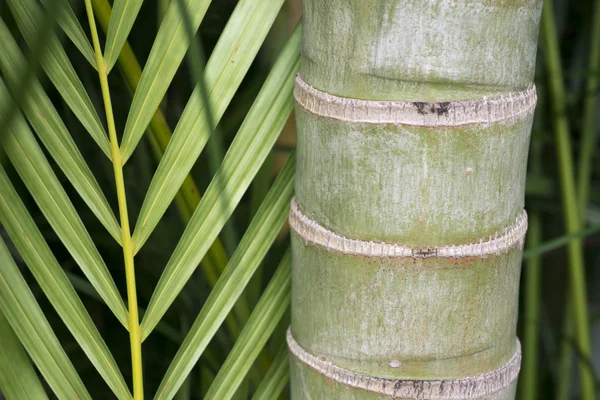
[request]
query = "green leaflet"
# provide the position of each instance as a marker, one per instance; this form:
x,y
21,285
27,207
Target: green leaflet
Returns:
x,y
121,20
215,142
35,171
168,50
245,156
18,379
28,15
55,284
54,134
38,50
31,327
188,197
254,245
71,26
265,317
277,377
224,72
82,286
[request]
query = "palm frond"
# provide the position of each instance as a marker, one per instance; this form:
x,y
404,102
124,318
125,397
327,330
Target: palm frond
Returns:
x,y
50,128
31,164
254,245
57,66
121,21
249,149
18,379
230,61
33,330
39,258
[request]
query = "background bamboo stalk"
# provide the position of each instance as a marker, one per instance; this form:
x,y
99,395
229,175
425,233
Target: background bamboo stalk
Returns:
x,y
578,292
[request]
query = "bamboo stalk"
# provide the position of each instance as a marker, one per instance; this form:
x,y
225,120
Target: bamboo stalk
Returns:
x,y
117,160
408,222
529,374
569,198
586,154
589,135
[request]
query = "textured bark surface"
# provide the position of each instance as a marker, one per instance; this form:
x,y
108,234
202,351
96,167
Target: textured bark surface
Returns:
x,y
441,318
414,121
425,50
488,385
411,185
310,384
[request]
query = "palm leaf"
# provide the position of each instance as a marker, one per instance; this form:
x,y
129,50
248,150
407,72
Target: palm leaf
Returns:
x,y
31,327
56,64
18,379
71,26
55,284
265,317
121,21
227,66
38,52
160,134
277,377
225,70
249,149
47,123
252,249
165,57
31,164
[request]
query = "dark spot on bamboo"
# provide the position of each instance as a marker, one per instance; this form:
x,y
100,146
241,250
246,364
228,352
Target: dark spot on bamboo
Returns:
x,y
424,108
443,108
420,106
425,252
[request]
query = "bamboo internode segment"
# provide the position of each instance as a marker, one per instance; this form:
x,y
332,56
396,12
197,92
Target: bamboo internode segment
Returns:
x,y
474,387
416,113
500,243
413,185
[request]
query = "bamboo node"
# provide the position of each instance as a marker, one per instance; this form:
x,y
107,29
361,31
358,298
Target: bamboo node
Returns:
x,y
473,387
499,243
503,109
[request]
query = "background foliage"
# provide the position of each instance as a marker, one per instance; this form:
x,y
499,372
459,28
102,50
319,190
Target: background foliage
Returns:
x,y
563,199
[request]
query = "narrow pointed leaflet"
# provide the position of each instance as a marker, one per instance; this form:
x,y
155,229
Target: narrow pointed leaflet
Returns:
x,y
224,72
254,245
35,171
38,256
251,145
121,20
33,330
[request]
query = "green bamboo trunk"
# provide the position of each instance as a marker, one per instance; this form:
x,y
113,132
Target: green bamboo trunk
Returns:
x,y
414,119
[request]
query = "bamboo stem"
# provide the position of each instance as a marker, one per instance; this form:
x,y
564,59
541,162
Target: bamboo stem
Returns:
x,y
569,197
532,311
588,142
134,326
586,153
565,353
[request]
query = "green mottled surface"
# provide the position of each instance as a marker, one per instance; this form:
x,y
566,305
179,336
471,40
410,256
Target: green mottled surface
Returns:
x,y
442,318
411,185
427,50
307,384
415,186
